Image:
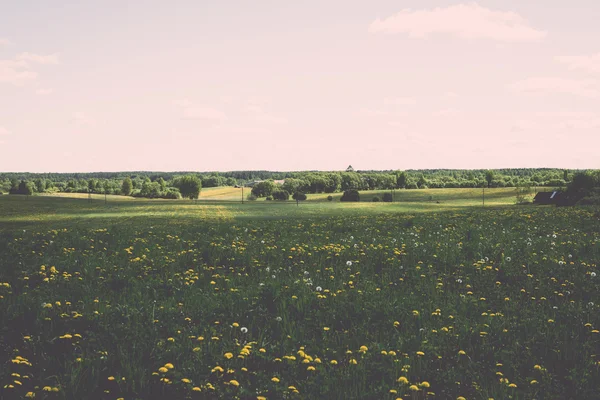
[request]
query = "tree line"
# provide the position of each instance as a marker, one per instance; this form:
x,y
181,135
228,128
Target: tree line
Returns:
x,y
175,185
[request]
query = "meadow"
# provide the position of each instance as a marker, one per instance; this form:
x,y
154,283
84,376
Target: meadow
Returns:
x,y
139,299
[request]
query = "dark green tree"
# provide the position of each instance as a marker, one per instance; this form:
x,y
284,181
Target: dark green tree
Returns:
x,y
189,186
127,186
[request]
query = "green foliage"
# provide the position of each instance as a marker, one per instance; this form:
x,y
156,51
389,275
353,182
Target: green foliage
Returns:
x,y
189,186
350,195
523,194
375,199
329,198
387,197
263,189
127,186
299,196
251,197
281,195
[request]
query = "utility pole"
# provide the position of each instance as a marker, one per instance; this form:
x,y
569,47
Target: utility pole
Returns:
x,y
484,195
242,193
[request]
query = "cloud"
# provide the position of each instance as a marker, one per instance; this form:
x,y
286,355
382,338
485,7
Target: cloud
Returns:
x,y
4,131
545,85
38,59
467,21
586,63
5,42
18,71
43,92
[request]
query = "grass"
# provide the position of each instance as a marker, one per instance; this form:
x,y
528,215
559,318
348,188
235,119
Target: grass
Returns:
x,y
142,299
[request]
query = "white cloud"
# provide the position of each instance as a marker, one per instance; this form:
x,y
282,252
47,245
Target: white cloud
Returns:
x,y
5,42
585,63
43,92
4,131
16,72
38,59
468,21
545,85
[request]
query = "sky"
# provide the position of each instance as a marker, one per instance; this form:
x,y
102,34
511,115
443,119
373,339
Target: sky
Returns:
x,y
298,85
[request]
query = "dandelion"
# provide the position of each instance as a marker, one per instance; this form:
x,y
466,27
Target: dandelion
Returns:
x,y
593,274
243,329
414,388
349,263
234,383
228,355
169,366
319,289
275,379
402,380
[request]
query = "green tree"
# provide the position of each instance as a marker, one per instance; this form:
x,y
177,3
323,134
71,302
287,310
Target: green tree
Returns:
x,y
189,186
489,177
127,186
263,189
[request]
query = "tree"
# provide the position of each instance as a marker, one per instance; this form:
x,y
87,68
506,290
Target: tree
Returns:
x,y
189,186
401,180
281,195
350,195
523,194
387,197
26,188
489,177
298,196
263,189
127,186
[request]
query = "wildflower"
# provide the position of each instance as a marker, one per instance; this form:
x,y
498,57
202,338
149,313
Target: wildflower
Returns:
x,y
310,368
414,388
420,353
275,379
462,352
196,389
349,263
363,349
186,380
234,382
244,329
111,378
162,370
333,362
425,384
169,366
228,355
402,380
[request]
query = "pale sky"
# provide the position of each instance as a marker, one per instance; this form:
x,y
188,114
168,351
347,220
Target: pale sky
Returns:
x,y
298,85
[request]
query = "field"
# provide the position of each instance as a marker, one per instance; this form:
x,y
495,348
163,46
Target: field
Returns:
x,y
415,299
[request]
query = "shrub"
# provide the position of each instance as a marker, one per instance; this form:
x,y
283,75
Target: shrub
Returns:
x,y
281,195
376,199
269,198
387,197
251,197
299,196
350,195
172,193
329,198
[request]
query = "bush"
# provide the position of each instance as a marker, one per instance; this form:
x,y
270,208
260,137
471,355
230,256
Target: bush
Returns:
x,y
350,195
281,195
330,198
300,196
376,199
251,197
388,198
412,185
172,193
269,198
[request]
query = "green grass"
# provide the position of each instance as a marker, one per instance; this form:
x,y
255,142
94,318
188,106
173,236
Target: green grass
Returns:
x,y
65,209
96,300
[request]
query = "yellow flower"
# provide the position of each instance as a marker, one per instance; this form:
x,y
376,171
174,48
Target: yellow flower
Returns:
x,y
353,361
228,356
275,379
460,398
333,362
462,352
30,395
186,380
420,353
169,366
234,382
414,388
393,391
200,338
170,340
534,382
425,384
261,398
111,378
396,324
310,368
325,328
196,389
402,380
162,370
47,389
363,349
235,324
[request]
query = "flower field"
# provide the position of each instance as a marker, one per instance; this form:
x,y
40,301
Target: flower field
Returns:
x,y
500,304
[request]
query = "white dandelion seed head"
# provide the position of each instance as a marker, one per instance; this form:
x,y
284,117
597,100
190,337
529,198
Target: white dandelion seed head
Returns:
x,y
593,274
243,329
262,241
268,269
349,263
273,276
319,288
278,319
508,259
459,280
